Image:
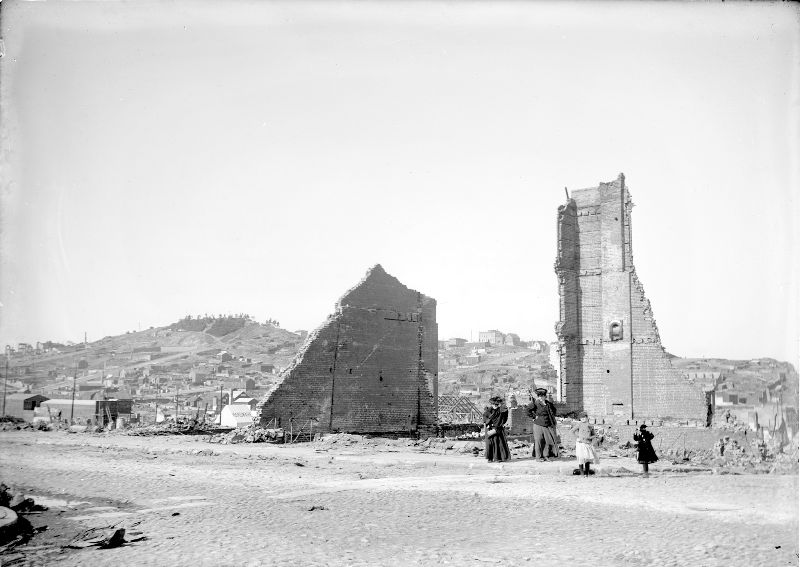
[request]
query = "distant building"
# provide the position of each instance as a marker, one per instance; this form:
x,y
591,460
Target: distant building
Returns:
x,y
22,405
198,376
493,337
736,398
511,339
243,399
471,391
456,342
539,346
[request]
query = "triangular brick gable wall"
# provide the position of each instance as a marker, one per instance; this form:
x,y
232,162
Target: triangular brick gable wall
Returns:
x,y
370,368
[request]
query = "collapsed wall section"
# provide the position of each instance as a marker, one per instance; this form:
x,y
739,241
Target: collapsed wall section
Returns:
x,y
611,357
370,368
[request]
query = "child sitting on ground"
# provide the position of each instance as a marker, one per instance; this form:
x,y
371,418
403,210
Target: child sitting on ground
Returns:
x,y
584,445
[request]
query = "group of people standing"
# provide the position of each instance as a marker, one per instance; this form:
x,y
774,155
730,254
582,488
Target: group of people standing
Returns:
x,y
545,435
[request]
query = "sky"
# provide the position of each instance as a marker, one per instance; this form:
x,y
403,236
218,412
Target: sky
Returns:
x,y
161,159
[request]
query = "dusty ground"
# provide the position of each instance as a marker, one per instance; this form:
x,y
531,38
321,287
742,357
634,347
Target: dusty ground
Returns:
x,y
250,505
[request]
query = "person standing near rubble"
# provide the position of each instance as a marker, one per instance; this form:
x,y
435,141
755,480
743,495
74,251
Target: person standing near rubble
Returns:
x,y
585,450
494,419
645,453
543,413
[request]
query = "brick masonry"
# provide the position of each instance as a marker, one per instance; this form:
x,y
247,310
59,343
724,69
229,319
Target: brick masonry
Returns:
x,y
611,357
370,368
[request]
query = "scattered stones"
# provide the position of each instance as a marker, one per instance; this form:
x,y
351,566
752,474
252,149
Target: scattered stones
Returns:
x,y
250,434
182,427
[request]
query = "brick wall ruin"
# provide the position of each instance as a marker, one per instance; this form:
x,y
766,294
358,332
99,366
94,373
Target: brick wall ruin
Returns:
x,y
370,368
611,358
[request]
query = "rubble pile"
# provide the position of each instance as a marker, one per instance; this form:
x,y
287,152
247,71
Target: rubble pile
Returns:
x,y
381,444
348,439
250,434
10,423
787,461
188,427
728,454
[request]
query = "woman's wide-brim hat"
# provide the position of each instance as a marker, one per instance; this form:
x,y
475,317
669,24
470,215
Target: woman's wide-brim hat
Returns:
x,y
541,391
496,400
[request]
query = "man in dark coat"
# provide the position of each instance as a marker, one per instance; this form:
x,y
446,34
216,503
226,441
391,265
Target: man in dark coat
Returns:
x,y
543,413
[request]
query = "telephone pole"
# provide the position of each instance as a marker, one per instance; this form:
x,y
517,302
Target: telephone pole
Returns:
x,y
72,407
5,385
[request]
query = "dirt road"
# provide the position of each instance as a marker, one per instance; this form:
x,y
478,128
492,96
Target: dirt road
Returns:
x,y
208,504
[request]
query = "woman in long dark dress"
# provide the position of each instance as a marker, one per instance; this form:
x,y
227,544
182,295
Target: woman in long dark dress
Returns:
x,y
644,448
494,418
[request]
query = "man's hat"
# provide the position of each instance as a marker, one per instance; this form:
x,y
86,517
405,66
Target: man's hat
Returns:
x,y
496,400
642,426
541,391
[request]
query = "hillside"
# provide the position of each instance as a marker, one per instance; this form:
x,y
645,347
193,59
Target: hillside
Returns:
x,y
494,370
498,370
174,348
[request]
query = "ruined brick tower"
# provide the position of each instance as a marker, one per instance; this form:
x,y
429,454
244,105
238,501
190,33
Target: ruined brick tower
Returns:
x,y
611,358
370,368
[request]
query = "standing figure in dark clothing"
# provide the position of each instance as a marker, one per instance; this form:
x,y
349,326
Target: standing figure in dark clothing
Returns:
x,y
645,453
494,418
543,413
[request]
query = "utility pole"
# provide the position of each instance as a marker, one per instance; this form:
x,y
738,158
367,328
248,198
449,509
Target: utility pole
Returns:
x,y
72,406
5,385
176,404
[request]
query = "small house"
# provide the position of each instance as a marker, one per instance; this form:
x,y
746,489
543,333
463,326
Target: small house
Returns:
x,y
22,405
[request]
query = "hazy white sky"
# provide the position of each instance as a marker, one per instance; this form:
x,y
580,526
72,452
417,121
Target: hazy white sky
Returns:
x,y
168,158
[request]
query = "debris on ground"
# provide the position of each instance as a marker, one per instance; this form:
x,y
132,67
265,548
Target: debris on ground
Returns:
x,y
181,427
14,528
106,537
11,423
250,434
17,501
102,538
